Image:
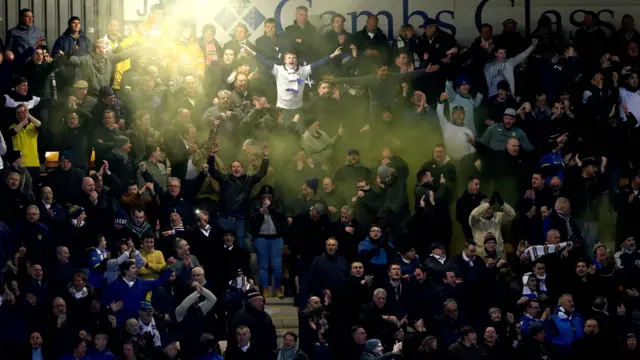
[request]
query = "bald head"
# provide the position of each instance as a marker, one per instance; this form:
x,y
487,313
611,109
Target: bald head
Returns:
x,y
198,275
513,146
88,185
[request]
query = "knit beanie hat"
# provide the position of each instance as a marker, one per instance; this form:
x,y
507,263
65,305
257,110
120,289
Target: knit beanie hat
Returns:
x,y
462,79
120,218
75,211
312,183
372,344
66,155
105,92
504,85
489,237
252,294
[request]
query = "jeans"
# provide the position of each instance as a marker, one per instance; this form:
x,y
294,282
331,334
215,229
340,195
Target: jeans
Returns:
x,y
269,250
236,224
303,286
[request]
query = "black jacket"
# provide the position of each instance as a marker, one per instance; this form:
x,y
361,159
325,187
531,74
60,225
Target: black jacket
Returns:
x,y
328,272
235,190
271,48
263,333
379,42
464,206
66,185
310,48
256,218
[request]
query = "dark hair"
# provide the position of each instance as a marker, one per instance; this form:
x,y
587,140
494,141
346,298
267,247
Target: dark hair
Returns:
x,y
487,25
270,21
72,19
472,178
77,342
125,266
338,16
208,27
147,235
466,330
19,81
293,335
355,328
27,10
420,174
97,240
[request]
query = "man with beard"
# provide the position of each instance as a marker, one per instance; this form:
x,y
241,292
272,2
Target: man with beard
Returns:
x,y
628,258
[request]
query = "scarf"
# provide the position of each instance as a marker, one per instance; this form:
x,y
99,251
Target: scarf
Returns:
x,y
151,328
211,52
567,221
441,259
294,80
287,354
79,294
77,224
138,229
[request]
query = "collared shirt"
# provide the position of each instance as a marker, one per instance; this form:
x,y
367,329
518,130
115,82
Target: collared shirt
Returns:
x,y
36,354
192,171
206,230
245,347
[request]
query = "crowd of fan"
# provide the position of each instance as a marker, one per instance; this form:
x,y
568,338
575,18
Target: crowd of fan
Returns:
x,y
138,242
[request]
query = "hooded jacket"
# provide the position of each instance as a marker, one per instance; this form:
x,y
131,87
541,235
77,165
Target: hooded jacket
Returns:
x,y
507,67
468,102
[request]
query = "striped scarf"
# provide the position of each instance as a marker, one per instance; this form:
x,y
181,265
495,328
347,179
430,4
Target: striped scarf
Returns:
x,y
211,52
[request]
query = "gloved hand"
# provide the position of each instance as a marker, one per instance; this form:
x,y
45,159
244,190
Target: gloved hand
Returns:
x,y
496,198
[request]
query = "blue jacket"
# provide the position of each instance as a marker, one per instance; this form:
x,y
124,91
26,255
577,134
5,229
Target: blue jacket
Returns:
x,y
65,43
553,165
100,355
21,38
119,290
562,333
374,254
526,322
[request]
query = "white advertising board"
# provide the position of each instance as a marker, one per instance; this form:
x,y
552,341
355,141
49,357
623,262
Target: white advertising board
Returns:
x,y
461,17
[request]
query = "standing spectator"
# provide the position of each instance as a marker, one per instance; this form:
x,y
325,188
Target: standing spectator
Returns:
x,y
24,35
258,322
303,37
565,326
24,137
124,295
268,224
72,41
469,200
486,224
271,44
502,68
466,348
373,43
209,46
235,188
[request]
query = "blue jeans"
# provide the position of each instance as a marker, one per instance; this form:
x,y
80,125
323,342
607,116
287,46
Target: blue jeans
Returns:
x,y
269,250
236,224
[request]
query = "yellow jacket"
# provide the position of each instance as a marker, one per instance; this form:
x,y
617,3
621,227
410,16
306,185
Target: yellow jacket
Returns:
x,y
156,265
188,58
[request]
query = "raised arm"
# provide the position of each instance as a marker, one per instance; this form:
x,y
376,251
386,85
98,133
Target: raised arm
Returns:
x,y
264,166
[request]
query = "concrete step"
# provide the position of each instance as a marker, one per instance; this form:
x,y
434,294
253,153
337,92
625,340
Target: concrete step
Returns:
x,y
281,311
285,323
276,301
